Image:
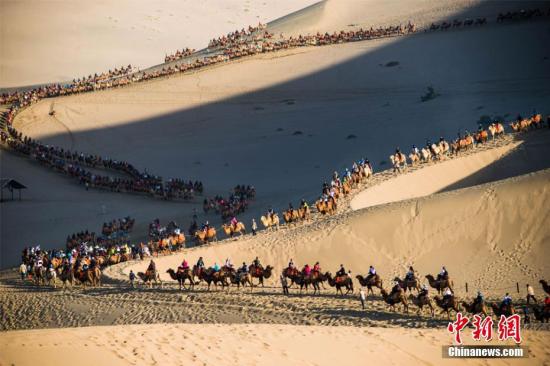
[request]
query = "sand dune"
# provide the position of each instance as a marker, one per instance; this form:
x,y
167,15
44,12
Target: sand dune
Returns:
x,y
235,124
490,236
75,38
194,344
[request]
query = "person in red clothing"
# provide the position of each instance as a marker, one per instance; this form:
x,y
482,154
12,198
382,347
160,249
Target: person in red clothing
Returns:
x,y
307,270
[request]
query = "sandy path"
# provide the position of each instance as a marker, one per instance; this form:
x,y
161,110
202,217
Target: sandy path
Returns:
x,y
193,344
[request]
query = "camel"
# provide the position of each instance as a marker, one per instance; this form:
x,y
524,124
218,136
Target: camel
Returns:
x,y
291,216
426,155
447,305
292,274
339,282
114,259
149,277
521,126
91,275
270,222
231,230
506,310
218,277
260,273
181,276
66,275
241,279
305,212
441,284
475,308
394,299
39,274
399,162
370,282
545,286
421,301
436,151
542,313
407,284
496,129
414,158
325,207
50,278
444,148
536,120
204,237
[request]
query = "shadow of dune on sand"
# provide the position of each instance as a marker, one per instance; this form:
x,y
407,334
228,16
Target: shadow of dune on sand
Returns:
x,y
239,139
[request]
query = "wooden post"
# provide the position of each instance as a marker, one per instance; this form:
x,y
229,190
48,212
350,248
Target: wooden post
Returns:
x,y
466,287
517,286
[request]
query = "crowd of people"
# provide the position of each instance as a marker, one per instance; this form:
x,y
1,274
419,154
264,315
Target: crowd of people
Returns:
x,y
235,204
78,165
178,55
237,36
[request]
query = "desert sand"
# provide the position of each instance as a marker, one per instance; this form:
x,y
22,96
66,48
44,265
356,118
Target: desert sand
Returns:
x,y
482,214
77,38
242,344
338,96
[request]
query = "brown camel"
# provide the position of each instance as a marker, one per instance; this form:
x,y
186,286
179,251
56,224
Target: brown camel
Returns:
x,y
291,216
475,307
66,274
441,284
541,313
270,222
181,276
422,300
91,276
339,282
149,277
204,237
260,273
506,310
241,279
408,284
545,286
447,305
231,230
304,212
370,282
395,298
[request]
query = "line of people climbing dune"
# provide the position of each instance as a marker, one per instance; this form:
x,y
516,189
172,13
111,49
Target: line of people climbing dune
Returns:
x,y
86,167
238,44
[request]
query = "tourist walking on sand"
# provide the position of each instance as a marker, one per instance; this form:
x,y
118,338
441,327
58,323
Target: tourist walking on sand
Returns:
x,y
23,271
362,297
284,284
132,278
254,227
530,294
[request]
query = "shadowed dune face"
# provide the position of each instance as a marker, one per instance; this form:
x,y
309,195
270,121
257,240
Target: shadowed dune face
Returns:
x,y
237,123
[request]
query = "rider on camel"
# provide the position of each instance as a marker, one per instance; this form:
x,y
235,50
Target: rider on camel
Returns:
x,y
307,270
184,265
396,288
316,268
291,264
447,293
228,263
303,204
443,275
216,267
256,263
341,271
506,301
234,222
152,267
205,226
372,272
410,274
200,263
423,291
479,298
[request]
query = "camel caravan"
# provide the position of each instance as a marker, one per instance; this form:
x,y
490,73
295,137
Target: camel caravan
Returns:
x,y
223,276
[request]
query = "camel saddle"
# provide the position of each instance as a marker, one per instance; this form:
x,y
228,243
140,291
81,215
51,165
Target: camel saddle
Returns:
x,y
341,279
